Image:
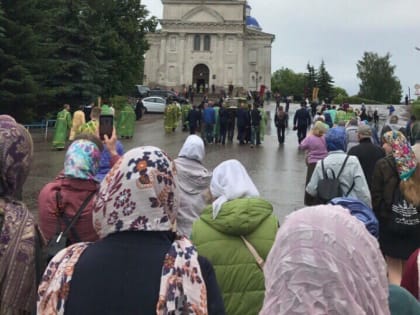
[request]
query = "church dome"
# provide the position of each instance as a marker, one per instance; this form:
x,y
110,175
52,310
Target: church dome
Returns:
x,y
251,22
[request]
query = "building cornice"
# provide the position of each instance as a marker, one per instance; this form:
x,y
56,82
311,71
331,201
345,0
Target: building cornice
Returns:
x,y
254,34
224,2
206,27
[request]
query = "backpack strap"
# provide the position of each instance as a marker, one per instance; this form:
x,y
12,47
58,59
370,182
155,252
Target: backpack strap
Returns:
x,y
342,166
339,173
69,225
325,172
260,261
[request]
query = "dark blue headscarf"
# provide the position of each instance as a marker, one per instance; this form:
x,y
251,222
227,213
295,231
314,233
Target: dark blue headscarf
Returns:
x,y
361,211
336,139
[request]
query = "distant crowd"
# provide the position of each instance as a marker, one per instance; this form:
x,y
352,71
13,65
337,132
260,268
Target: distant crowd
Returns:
x,y
122,232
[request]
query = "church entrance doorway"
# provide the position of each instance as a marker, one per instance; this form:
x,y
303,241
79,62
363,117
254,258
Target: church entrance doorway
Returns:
x,y
201,78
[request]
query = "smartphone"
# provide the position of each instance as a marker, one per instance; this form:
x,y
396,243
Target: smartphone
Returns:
x,y
106,125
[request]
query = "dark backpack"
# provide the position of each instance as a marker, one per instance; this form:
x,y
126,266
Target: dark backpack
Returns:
x,y
330,188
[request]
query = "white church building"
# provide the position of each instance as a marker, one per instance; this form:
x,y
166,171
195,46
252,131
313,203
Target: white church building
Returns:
x,y
208,45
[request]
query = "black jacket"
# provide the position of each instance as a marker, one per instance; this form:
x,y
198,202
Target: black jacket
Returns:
x,y
120,274
255,117
368,154
302,118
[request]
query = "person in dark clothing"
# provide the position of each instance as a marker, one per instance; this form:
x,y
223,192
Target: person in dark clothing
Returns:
x,y
255,126
242,119
314,105
280,120
194,120
278,99
287,105
363,116
223,122
376,118
231,117
367,152
139,109
301,122
209,118
132,267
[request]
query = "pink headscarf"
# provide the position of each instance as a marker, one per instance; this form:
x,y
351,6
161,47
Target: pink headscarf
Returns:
x,y
324,261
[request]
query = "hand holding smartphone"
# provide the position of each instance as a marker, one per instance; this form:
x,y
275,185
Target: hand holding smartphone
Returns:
x,y
106,125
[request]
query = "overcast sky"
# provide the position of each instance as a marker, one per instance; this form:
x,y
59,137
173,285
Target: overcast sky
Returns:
x,y
339,32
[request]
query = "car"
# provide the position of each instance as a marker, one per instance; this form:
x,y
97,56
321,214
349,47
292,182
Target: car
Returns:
x,y
155,104
141,91
235,102
166,93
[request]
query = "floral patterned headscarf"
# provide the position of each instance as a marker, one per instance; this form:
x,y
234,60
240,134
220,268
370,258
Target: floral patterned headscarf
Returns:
x,y
82,160
402,152
140,193
17,235
16,152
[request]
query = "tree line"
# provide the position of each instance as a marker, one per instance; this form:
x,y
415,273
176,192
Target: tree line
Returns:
x,y
69,51
378,82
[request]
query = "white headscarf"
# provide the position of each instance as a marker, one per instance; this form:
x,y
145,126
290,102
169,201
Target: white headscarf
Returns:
x,y
230,181
324,261
193,148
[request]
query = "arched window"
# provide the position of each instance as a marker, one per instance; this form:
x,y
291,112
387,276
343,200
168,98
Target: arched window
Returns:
x,y
197,42
207,42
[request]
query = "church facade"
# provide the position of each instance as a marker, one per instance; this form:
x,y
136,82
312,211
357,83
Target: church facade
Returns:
x,y
208,45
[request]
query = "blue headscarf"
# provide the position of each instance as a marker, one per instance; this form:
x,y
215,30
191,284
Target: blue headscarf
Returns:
x,y
361,211
336,139
82,160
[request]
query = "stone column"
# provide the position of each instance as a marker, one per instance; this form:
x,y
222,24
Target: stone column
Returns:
x,y
162,59
268,66
182,51
220,69
240,62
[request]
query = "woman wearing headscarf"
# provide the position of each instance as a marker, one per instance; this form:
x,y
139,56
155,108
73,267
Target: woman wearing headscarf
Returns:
x,y
139,265
237,216
60,200
17,225
352,179
401,302
397,172
194,180
324,261
316,150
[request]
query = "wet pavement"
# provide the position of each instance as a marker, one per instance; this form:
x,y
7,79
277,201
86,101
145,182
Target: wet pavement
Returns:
x,y
278,171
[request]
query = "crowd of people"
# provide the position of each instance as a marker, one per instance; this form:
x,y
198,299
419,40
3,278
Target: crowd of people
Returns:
x,y
169,236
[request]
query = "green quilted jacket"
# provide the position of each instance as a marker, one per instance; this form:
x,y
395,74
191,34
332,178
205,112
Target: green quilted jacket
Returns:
x,y
239,277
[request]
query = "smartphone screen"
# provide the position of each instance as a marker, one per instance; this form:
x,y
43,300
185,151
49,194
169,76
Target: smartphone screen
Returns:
x,y
106,124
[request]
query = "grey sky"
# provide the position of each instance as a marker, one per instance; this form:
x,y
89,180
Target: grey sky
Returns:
x,y
339,32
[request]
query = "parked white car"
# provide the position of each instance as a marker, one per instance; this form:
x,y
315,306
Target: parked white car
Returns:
x,y
154,104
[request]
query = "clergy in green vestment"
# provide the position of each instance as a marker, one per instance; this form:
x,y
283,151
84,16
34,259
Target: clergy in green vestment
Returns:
x,y
62,128
126,121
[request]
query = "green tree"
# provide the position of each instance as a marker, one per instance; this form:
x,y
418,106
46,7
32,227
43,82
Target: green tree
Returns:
x,y
122,25
288,83
378,81
325,83
19,53
73,55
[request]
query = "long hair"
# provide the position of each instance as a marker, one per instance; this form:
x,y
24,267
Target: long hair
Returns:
x,y
411,188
